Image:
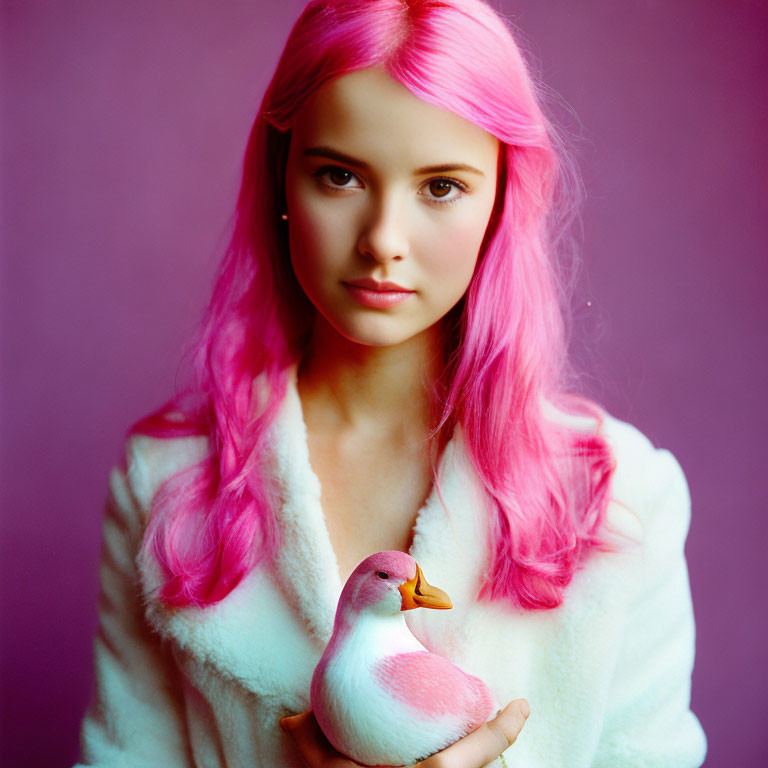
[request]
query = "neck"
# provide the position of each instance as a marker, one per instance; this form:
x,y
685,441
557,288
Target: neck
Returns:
x,y
371,634
343,384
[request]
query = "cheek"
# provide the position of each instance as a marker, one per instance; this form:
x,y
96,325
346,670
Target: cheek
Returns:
x,y
451,250
371,592
318,236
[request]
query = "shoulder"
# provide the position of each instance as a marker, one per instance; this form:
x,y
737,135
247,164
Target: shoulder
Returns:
x,y
648,487
648,483
151,461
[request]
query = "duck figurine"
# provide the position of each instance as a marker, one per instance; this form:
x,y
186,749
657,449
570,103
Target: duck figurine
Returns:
x,y
378,694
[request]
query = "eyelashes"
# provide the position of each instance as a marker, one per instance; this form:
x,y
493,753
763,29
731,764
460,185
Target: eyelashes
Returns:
x,y
342,176
336,179
330,170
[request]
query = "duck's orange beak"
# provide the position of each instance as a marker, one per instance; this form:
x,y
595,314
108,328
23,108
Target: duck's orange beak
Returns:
x,y
417,593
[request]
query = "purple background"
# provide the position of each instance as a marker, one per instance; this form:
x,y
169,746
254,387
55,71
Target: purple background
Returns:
x,y
124,125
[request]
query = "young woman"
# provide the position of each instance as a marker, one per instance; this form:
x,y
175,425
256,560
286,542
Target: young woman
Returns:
x,y
382,366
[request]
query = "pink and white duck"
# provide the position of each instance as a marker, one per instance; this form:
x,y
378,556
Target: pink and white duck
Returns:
x,y
377,693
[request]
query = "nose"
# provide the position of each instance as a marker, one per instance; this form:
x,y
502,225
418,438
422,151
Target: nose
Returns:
x,y
383,235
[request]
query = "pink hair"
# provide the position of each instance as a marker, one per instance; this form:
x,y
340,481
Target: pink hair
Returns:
x,y
505,341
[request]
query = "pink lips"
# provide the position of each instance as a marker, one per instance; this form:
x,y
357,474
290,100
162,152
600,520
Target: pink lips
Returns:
x,y
371,293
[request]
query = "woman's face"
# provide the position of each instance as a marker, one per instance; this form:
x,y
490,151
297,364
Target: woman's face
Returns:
x,y
388,200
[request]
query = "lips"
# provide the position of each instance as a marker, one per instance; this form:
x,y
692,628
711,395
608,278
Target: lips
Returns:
x,y
377,295
373,285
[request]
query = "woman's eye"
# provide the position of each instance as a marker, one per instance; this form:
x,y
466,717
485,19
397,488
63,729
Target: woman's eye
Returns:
x,y
437,190
444,190
334,176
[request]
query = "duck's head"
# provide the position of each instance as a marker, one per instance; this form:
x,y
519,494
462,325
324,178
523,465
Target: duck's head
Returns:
x,y
388,582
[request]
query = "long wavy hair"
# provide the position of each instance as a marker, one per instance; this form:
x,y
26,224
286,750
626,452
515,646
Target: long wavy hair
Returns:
x,y
505,345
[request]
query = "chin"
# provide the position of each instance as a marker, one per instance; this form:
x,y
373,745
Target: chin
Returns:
x,y
374,334
375,339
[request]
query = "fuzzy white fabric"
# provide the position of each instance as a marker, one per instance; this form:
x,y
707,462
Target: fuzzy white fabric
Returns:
x,y
607,674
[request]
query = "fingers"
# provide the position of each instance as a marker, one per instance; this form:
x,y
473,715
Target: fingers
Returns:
x,y
475,750
510,721
485,744
315,748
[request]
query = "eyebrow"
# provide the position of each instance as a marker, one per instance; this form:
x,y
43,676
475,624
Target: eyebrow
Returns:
x,y
333,154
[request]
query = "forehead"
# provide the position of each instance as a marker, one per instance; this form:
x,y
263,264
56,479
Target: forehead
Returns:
x,y
369,115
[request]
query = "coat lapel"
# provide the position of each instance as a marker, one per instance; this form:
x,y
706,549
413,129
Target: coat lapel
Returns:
x,y
305,567
450,544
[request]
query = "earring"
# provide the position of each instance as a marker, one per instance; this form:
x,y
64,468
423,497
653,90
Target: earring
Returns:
x,y
284,217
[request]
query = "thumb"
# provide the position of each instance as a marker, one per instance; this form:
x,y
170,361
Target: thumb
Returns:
x,y
291,722
509,721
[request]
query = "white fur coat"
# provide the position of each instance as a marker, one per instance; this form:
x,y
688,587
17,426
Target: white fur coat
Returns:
x,y
607,674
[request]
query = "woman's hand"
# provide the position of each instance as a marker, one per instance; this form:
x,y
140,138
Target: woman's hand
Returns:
x,y
484,745
475,750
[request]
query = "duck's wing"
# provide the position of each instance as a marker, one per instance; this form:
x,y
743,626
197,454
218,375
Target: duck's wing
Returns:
x,y
433,688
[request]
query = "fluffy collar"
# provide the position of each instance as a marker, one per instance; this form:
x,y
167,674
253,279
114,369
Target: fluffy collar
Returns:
x,y
285,609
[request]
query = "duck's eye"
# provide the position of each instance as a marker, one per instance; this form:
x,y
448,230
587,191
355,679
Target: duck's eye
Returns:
x,y
382,574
